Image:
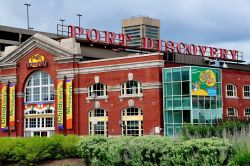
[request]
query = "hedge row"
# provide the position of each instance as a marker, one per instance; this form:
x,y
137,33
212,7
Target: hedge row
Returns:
x,y
229,127
134,151
27,151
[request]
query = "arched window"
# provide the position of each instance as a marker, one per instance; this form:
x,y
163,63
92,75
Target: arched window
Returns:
x,y
98,122
232,112
99,89
39,87
231,90
132,121
37,124
131,87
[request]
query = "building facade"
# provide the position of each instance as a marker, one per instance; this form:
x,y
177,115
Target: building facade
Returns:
x,y
68,87
56,92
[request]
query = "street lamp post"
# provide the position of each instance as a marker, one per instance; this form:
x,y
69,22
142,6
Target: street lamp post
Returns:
x,y
79,15
62,20
26,4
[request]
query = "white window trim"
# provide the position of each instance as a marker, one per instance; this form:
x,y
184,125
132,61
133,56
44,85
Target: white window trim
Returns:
x,y
245,112
126,118
245,97
93,118
131,96
90,89
237,113
234,96
98,98
40,86
124,95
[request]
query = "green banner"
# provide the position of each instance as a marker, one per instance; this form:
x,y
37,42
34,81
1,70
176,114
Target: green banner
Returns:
x,y
204,81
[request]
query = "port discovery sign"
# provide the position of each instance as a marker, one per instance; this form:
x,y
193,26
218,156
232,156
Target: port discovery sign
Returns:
x,y
111,38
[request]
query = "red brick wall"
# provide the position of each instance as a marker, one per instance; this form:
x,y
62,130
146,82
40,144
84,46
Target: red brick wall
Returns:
x,y
150,103
238,78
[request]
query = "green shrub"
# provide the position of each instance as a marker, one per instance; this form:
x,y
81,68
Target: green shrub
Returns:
x,y
228,127
135,151
28,151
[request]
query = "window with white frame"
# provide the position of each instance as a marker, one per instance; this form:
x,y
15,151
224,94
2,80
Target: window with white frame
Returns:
x,y
33,119
247,112
98,122
99,89
246,91
39,87
132,121
232,112
231,90
131,87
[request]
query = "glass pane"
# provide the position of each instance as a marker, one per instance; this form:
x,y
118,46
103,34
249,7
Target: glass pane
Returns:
x,y
177,102
213,102
195,102
218,85
218,76
185,88
201,102
176,88
168,103
167,75
176,74
177,129
169,89
195,116
36,78
45,78
208,116
36,93
202,117
219,103
186,116
178,116
185,73
207,102
45,94
170,130
169,117
186,102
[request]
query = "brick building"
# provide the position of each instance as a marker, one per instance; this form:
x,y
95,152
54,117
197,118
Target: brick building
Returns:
x,y
86,88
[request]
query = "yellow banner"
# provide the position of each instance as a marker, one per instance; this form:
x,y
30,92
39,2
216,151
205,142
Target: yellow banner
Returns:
x,y
12,105
60,103
69,104
4,107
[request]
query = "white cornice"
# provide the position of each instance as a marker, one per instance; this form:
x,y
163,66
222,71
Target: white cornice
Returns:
x,y
8,78
125,57
116,88
115,67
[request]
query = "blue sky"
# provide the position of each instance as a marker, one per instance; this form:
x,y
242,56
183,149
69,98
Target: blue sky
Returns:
x,y
220,23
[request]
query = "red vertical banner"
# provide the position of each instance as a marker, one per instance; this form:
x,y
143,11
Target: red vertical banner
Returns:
x,y
69,112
